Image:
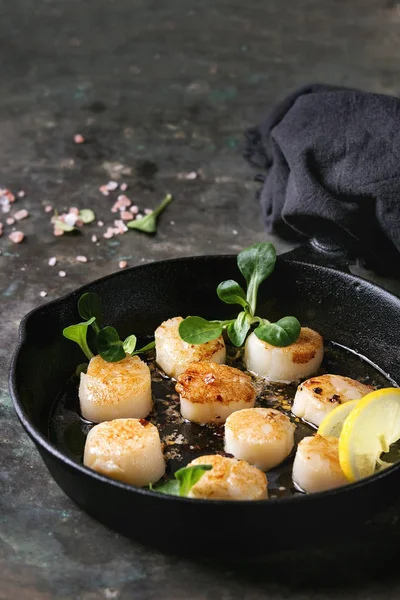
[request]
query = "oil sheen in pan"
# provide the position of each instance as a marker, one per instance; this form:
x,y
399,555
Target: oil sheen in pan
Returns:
x,y
185,441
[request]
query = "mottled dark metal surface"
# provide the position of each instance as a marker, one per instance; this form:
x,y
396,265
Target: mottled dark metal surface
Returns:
x,y
163,89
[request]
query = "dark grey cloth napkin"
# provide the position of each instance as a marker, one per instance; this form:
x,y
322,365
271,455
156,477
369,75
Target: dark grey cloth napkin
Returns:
x,y
331,158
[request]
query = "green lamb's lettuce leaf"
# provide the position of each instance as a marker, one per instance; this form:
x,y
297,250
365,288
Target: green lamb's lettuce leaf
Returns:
x,y
184,480
78,333
148,224
196,330
282,333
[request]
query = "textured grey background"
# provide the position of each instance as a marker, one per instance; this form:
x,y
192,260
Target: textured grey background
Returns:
x,y
174,83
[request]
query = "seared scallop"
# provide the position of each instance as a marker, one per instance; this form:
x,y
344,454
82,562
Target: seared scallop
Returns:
x,y
209,392
288,363
229,479
316,465
126,449
174,355
318,396
115,390
264,437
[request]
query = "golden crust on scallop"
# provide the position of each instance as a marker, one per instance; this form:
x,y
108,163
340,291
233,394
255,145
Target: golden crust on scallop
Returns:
x,y
122,436
229,479
334,389
260,424
206,382
107,382
327,448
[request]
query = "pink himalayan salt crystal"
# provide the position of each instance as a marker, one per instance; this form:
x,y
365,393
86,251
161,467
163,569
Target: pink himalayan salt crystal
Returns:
x,y
21,194
57,231
81,259
126,215
120,226
124,200
74,211
16,237
104,190
122,264
112,186
10,221
7,195
134,209
21,214
79,139
48,208
123,187
109,233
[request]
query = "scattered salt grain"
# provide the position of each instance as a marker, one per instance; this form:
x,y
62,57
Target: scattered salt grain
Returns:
x,y
21,194
81,259
100,223
235,231
74,210
6,208
43,294
48,209
70,219
148,211
94,238
123,187
134,209
62,273
126,215
191,175
109,233
16,237
79,139
122,264
104,190
139,216
52,261
112,186
57,231
10,221
21,214
172,222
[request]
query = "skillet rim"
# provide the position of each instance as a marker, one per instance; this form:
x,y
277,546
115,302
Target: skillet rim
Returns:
x,y
40,440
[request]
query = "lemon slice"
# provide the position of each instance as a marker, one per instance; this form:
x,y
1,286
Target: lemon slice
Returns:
x,y
332,424
370,428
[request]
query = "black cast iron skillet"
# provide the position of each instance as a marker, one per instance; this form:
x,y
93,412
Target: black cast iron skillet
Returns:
x,y
342,307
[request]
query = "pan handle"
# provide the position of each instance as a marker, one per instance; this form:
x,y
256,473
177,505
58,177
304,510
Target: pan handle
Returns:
x,y
325,250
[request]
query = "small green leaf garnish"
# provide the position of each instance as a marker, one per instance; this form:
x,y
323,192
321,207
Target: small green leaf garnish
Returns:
x,y
145,348
196,330
86,215
81,368
256,263
89,305
109,345
129,344
77,333
59,224
282,333
148,224
231,292
239,328
184,480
